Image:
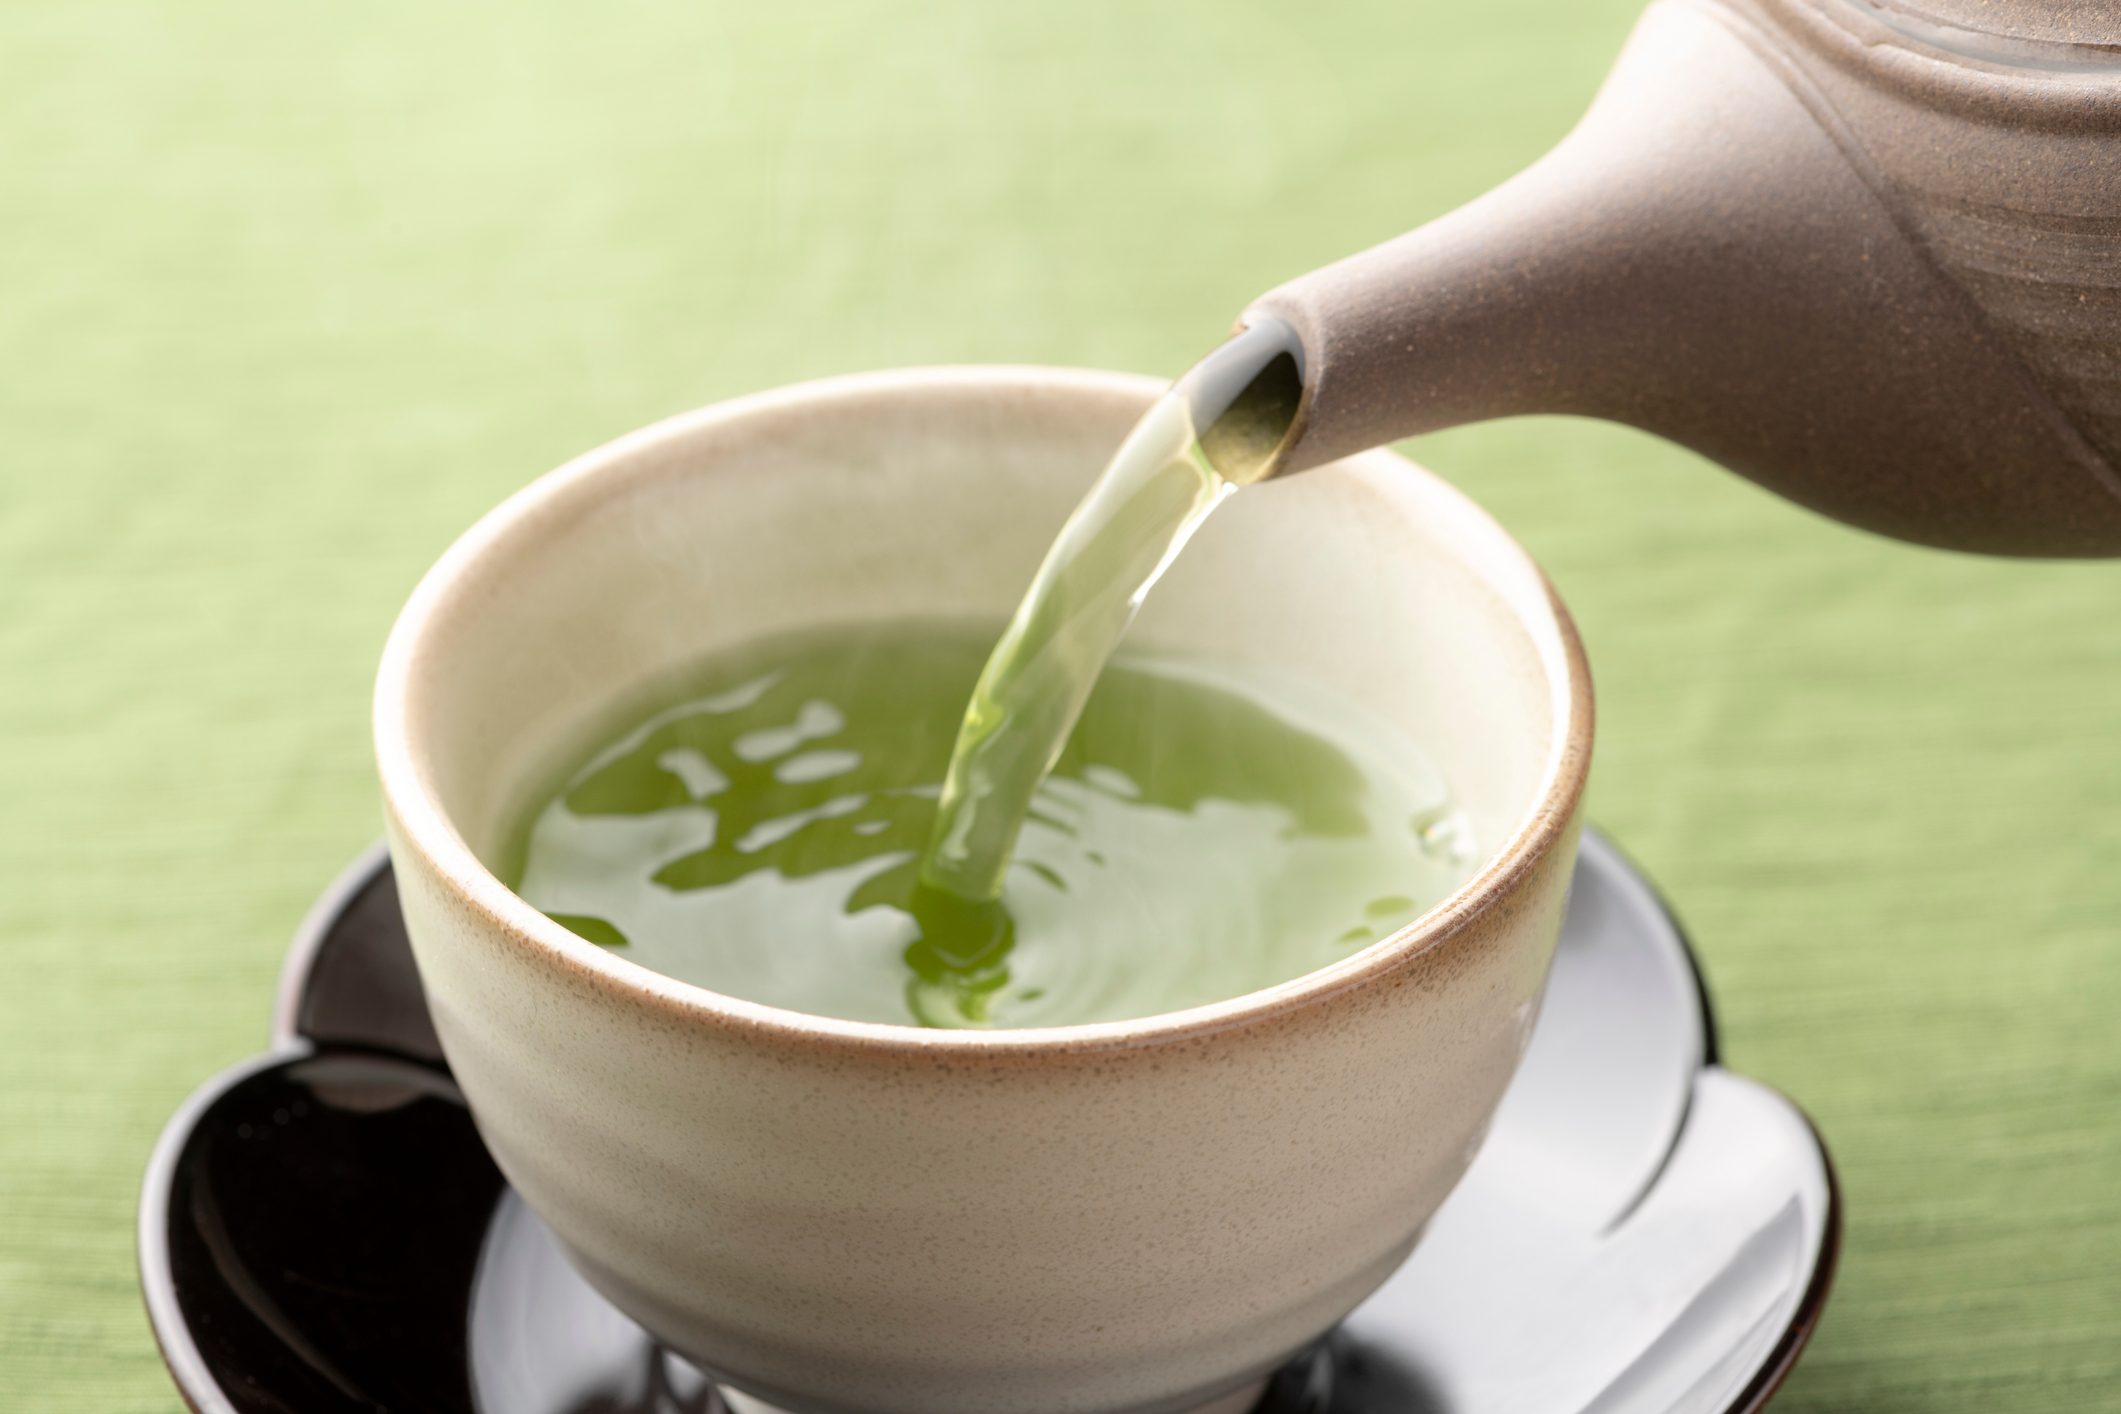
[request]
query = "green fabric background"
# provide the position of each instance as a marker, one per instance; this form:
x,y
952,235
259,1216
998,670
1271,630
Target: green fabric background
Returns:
x,y
290,293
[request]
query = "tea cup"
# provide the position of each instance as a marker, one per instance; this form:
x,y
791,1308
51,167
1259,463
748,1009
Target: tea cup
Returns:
x,y
837,1217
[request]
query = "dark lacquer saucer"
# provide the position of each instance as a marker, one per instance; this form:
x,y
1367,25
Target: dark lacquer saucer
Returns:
x,y
322,1231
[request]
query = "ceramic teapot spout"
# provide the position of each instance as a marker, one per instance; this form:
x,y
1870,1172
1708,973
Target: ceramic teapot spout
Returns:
x,y
1752,245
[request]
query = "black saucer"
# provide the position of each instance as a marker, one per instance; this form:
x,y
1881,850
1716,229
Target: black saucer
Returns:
x,y
1644,1232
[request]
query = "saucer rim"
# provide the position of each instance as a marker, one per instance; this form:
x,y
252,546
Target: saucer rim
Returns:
x,y
1811,1307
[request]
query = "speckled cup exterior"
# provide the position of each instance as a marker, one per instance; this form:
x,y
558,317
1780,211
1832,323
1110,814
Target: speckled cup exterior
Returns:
x,y
846,1218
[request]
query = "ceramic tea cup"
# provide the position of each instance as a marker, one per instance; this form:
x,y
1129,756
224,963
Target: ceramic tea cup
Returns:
x,y
837,1217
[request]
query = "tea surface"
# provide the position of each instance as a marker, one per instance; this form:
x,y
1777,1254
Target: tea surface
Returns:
x,y
1203,834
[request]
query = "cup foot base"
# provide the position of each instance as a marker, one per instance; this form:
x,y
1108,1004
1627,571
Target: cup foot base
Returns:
x,y
1237,1402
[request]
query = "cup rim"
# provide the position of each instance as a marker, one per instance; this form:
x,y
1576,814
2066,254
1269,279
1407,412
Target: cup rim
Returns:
x,y
420,822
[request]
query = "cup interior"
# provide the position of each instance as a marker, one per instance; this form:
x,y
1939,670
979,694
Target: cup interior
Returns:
x,y
933,494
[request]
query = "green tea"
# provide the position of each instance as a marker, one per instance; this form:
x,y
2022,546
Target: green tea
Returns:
x,y
1219,427
929,825
759,829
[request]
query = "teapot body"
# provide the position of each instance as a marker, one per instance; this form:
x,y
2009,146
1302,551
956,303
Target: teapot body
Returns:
x,y
1868,259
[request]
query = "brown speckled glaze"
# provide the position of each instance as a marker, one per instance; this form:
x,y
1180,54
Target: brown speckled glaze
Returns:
x,y
1865,252
843,1218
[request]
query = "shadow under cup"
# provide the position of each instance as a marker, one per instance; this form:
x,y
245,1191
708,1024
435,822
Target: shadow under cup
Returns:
x,y
1138,1216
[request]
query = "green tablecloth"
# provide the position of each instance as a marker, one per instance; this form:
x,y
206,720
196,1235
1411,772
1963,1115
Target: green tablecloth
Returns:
x,y
289,293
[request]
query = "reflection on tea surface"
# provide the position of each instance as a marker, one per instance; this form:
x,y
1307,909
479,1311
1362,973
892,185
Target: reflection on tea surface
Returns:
x,y
759,830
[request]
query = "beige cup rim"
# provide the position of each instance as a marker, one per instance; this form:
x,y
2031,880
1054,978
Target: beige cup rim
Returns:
x,y
422,825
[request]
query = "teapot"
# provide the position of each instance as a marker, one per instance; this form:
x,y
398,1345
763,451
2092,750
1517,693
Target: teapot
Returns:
x,y
1866,253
